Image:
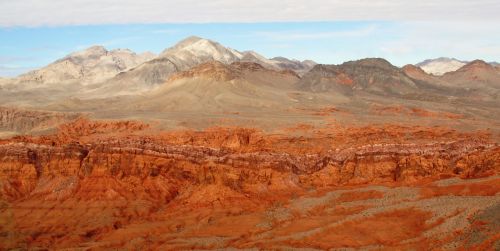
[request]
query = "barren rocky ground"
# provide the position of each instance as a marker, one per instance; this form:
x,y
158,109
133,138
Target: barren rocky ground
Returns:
x,y
126,185
207,148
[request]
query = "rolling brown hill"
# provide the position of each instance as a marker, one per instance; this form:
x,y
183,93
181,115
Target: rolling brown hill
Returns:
x,y
217,87
373,75
474,75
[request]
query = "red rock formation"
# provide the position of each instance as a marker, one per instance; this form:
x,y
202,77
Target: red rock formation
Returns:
x,y
79,149
128,175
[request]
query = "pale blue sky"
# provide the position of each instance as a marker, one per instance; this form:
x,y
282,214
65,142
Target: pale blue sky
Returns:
x,y
34,33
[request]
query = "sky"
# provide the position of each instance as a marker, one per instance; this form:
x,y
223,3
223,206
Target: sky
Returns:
x,y
34,33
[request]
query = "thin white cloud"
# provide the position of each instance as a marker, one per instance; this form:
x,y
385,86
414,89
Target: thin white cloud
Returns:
x,y
12,71
305,35
11,66
165,31
466,40
109,43
79,12
14,59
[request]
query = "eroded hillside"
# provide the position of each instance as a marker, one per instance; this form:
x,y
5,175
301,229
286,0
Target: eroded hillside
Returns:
x,y
123,184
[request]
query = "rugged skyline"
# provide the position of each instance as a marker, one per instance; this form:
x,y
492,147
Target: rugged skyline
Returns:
x,y
400,42
328,32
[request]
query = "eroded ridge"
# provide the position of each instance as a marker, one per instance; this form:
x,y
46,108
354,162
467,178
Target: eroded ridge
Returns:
x,y
102,184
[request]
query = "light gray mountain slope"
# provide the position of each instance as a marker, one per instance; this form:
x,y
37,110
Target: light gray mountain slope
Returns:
x,y
440,66
252,56
91,65
195,50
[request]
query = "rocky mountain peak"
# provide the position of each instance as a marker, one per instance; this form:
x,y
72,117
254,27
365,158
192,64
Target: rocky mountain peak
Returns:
x,y
188,41
475,74
90,65
372,62
409,68
440,66
201,49
440,59
309,62
477,64
93,51
122,50
148,54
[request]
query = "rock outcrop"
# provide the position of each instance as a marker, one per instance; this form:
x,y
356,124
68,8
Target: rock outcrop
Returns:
x,y
237,158
124,185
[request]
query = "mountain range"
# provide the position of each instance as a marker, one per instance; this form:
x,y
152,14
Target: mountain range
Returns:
x,y
123,68
96,64
199,76
191,52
